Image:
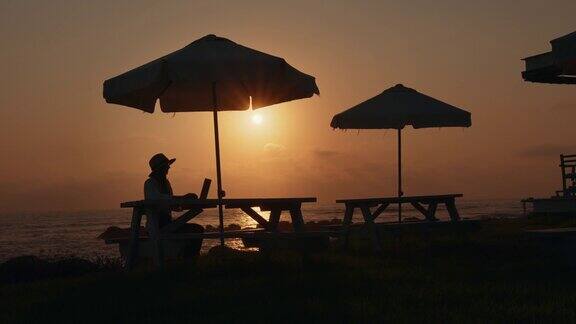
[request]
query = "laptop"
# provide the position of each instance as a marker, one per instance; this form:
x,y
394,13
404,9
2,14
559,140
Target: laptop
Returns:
x,y
205,189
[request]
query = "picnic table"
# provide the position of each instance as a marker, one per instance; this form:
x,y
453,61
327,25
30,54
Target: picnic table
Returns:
x,y
194,207
426,205
275,206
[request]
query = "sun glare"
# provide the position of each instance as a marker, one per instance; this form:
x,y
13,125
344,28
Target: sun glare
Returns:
x,y
257,119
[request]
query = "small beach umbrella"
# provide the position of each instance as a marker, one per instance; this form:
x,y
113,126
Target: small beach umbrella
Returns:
x,y
396,108
210,74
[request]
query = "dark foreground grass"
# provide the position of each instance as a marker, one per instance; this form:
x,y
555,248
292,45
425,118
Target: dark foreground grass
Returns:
x,y
494,275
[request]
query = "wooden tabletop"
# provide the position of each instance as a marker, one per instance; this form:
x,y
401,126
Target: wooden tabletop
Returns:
x,y
400,199
212,203
262,202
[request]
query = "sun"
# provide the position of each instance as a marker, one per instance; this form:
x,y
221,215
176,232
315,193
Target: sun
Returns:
x,y
257,119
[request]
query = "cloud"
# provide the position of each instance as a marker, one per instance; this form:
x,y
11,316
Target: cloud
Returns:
x,y
274,150
548,150
327,154
563,107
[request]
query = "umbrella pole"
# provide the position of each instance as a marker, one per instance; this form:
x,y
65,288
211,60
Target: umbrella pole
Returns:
x,y
400,193
218,172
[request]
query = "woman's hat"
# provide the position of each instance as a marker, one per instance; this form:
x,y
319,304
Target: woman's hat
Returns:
x,y
159,160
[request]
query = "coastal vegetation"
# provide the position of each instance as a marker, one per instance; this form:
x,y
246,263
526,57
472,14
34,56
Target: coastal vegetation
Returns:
x,y
497,274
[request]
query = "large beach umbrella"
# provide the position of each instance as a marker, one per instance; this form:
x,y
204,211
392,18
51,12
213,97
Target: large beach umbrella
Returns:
x,y
557,66
210,74
396,108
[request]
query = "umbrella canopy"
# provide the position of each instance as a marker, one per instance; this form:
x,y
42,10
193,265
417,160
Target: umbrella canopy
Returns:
x,y
399,106
185,80
210,74
557,66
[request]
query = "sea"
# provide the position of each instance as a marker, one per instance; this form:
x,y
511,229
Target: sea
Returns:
x,y
62,234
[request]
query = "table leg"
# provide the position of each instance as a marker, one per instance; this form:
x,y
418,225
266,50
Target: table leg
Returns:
x,y
297,219
134,238
452,211
346,222
431,214
369,221
154,233
180,221
420,208
379,211
255,216
274,219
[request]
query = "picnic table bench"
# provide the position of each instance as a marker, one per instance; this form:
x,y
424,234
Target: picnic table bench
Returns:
x,y
426,205
552,233
195,207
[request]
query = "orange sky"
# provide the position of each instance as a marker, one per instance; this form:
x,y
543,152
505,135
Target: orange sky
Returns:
x,y
65,148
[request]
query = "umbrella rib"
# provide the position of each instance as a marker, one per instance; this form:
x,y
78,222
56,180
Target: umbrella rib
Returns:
x,y
163,71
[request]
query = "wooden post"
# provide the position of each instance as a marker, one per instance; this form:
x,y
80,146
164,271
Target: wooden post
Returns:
x,y
218,172
134,238
563,175
524,207
572,174
400,193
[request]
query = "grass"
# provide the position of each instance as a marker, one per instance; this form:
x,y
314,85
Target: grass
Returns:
x,y
494,275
